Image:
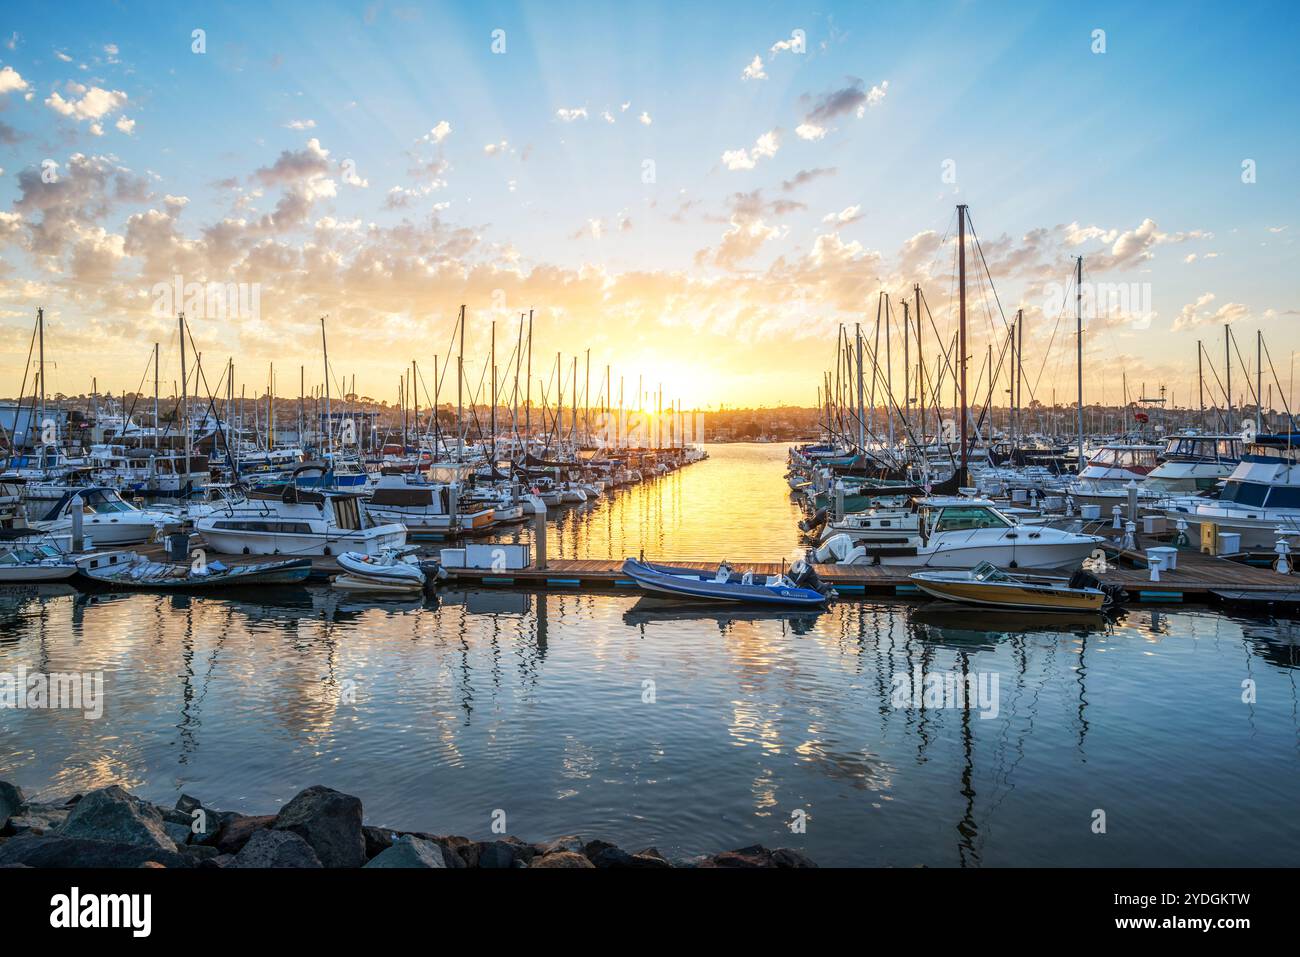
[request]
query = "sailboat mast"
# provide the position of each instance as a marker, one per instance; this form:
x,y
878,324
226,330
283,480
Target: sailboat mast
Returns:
x,y
325,353
920,359
528,386
1259,374
185,418
862,425
1200,381
1078,350
961,331
1227,364
460,385
40,325
155,396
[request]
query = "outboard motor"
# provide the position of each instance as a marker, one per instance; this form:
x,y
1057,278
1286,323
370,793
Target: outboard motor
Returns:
x,y
802,574
1115,594
814,523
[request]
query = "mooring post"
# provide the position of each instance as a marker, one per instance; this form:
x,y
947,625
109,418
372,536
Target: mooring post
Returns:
x,y
77,536
539,531
839,501
1132,490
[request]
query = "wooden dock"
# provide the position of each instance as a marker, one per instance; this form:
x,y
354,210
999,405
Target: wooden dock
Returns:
x,y
1197,577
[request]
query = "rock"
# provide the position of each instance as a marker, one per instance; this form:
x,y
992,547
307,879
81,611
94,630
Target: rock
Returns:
x,y
154,864
235,832
651,852
563,859
378,840
410,852
328,820
754,856
273,848
787,857
592,848
188,805
55,850
497,854
112,815
571,843
465,850
38,818
11,800
617,857
201,852
179,833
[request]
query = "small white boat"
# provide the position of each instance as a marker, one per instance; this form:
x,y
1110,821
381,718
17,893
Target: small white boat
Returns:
x,y
32,560
105,518
988,586
390,567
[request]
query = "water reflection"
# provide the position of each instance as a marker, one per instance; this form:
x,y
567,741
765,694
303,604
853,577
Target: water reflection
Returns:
x,y
653,723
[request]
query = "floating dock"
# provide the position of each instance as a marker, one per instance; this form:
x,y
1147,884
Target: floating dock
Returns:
x,y
1198,577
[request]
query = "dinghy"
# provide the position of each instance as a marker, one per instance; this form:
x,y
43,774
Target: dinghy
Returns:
x,y
987,585
391,571
726,584
135,571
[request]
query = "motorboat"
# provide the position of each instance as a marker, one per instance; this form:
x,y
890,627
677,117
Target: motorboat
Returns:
x,y
1260,499
106,518
28,559
428,508
988,585
727,584
1195,463
958,532
134,571
297,521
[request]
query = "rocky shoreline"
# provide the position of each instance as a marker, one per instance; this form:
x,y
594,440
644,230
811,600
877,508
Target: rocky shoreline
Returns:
x,y
318,828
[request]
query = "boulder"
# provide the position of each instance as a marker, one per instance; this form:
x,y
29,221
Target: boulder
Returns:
x,y
179,833
617,857
112,815
37,818
328,820
571,843
378,840
235,831
788,857
497,854
410,852
11,800
55,850
272,848
563,859
753,856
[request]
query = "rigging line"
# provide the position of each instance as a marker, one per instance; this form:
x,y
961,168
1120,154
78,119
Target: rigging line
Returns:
x,y
1285,405
27,367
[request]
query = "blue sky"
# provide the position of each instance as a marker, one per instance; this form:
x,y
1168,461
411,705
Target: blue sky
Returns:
x,y
725,275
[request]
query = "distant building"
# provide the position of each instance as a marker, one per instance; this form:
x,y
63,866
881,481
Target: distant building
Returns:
x,y
21,426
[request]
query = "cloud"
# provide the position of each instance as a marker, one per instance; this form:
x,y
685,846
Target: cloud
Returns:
x,y
607,116
300,125
849,214
755,70
853,98
805,176
438,133
644,118
125,125
1196,314
11,81
568,115
493,148
95,102
764,147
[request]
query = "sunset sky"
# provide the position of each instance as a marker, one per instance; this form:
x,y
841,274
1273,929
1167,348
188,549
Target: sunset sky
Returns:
x,y
679,188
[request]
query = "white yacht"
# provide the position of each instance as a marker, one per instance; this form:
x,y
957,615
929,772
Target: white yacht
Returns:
x,y
297,521
429,508
1104,480
1260,499
27,560
105,518
961,533
1195,462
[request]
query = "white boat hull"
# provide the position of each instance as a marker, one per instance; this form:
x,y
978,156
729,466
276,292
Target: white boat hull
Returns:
x,y
368,541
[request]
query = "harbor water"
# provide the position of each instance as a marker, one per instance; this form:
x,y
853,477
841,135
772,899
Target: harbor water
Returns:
x,y
1168,737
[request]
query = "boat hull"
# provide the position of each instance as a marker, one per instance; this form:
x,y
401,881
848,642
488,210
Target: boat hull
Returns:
x,y
690,583
1009,595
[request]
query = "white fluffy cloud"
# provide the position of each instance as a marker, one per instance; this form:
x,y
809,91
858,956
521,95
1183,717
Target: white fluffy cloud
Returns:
x,y
11,81
95,102
438,133
765,147
755,70
568,115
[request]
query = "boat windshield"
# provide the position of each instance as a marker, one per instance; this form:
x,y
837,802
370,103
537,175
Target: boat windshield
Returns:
x,y
988,572
961,518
